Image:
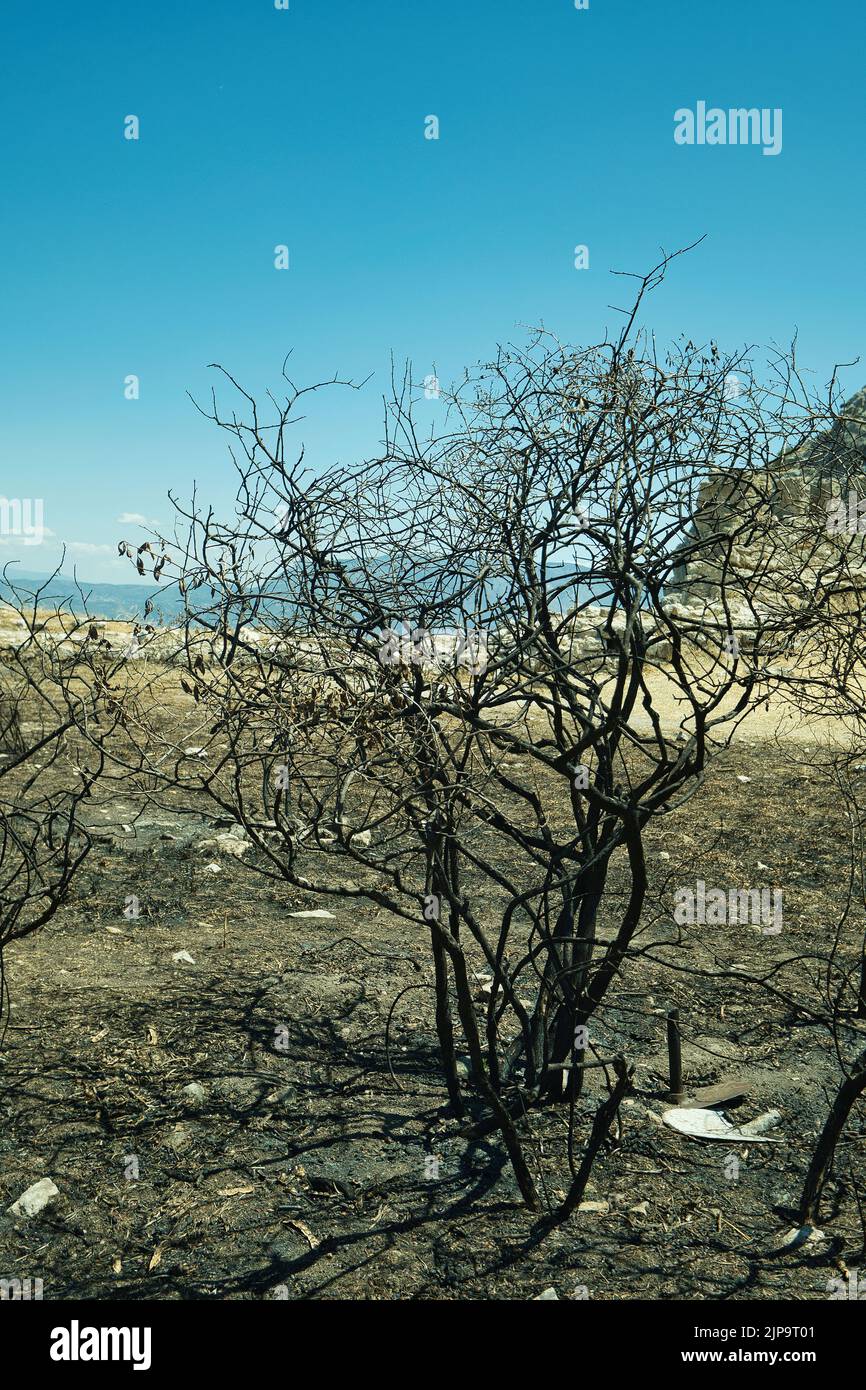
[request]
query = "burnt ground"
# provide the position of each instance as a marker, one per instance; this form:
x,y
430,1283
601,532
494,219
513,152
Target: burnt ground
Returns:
x,y
299,1164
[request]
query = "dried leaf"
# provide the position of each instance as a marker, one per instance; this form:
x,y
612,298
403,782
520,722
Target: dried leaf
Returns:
x,y
306,1233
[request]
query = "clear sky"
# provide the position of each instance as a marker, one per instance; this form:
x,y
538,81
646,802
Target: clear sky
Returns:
x,y
306,127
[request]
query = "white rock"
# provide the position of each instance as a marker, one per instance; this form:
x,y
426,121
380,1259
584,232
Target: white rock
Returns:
x,y
547,1296
762,1123
652,1116
802,1235
316,912
227,842
35,1199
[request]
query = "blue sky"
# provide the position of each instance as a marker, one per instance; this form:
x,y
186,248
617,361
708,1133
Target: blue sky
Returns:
x,y
305,127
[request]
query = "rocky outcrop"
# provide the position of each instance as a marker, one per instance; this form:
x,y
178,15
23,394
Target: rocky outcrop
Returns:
x,y
767,534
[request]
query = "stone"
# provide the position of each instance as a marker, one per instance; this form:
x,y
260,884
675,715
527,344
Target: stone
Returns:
x,y
808,508
35,1199
234,842
178,1138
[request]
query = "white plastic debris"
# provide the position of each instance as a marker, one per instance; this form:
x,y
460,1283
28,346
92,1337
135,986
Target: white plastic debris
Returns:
x,y
709,1124
183,957
35,1199
316,912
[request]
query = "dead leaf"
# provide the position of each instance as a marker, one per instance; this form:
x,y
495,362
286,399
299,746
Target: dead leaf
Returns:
x,y
155,1258
305,1231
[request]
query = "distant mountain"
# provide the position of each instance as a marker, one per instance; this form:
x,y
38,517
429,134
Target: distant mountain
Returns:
x,y
126,602
121,602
